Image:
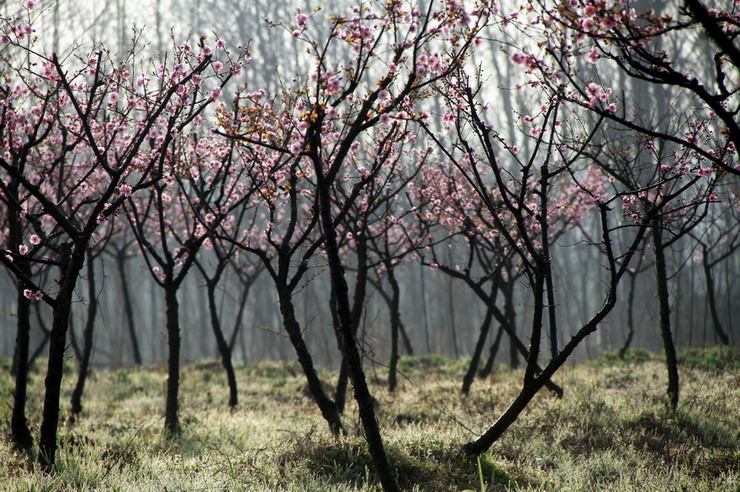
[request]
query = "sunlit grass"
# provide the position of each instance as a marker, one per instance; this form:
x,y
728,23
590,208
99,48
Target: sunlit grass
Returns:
x,y
612,430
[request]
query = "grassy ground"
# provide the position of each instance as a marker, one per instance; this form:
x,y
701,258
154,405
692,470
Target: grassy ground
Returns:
x,y
610,431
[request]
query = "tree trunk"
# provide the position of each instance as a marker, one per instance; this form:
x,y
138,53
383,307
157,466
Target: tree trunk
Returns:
x,y
128,309
92,310
223,346
485,327
507,290
713,301
19,433
661,277
70,269
395,328
357,308
405,337
630,317
171,417
350,351
290,323
484,442
492,354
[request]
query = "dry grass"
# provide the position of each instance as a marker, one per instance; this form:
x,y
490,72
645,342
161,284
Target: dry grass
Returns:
x,y
610,431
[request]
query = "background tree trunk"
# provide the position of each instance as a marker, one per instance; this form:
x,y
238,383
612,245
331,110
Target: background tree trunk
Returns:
x,y
87,348
661,278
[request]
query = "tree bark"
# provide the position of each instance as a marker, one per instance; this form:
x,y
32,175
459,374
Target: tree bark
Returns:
x,y
128,309
171,417
395,328
718,329
20,435
492,354
485,327
661,277
630,317
87,341
350,351
357,308
70,269
290,323
222,344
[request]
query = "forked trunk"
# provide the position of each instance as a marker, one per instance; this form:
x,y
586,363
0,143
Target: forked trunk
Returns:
x,y
290,323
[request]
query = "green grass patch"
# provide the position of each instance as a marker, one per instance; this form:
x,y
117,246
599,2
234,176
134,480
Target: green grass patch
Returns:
x,y
611,430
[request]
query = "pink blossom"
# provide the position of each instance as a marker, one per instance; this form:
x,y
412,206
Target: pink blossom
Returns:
x,y
385,119
23,249
215,93
218,66
518,58
383,95
332,85
612,107
29,294
301,21
35,239
125,190
220,44
29,4
593,56
113,97
588,24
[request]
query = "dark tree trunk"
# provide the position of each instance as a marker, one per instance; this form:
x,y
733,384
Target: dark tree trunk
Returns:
x,y
19,433
357,308
290,323
485,327
171,417
223,346
87,348
661,277
510,315
630,317
533,384
128,308
70,270
713,301
340,392
492,354
453,327
246,286
484,442
405,337
350,351
395,327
